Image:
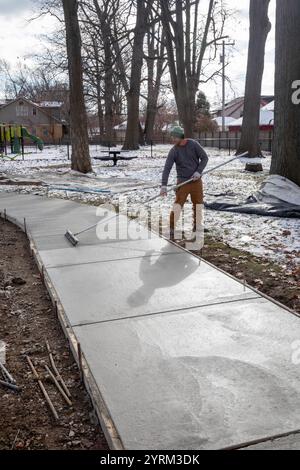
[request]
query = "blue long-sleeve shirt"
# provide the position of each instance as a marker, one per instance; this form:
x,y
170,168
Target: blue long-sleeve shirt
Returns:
x,y
189,159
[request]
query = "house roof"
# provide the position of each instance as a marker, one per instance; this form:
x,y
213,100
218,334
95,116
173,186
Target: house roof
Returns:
x,y
266,117
50,104
123,126
219,120
236,103
269,107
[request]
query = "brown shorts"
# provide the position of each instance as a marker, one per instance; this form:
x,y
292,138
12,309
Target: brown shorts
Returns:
x,y
195,190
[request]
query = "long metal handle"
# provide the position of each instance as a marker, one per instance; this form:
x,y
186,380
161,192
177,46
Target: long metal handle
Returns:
x,y
225,163
173,188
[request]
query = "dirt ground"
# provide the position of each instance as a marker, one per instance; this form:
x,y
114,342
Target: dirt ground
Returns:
x,y
27,319
281,284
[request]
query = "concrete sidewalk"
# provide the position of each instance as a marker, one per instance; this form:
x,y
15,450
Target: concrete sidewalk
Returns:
x,y
181,355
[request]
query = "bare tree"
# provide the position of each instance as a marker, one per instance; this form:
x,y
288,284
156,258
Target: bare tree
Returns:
x,y
78,118
105,37
188,39
156,63
133,130
260,27
286,151
16,81
106,13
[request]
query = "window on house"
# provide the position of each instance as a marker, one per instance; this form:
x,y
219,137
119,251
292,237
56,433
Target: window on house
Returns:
x,y
34,111
21,109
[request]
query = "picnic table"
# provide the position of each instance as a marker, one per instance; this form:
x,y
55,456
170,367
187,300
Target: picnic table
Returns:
x,y
114,156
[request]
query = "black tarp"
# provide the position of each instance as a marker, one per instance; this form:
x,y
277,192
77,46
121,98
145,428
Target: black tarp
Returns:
x,y
277,197
253,206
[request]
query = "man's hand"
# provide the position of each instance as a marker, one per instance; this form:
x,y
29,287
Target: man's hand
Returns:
x,y
163,191
196,176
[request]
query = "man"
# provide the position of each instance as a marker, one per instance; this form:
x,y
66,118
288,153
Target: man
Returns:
x,y
190,159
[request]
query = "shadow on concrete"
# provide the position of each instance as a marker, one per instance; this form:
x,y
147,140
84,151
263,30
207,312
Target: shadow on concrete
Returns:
x,y
160,272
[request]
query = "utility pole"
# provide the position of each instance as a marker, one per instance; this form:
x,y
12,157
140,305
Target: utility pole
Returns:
x,y
223,62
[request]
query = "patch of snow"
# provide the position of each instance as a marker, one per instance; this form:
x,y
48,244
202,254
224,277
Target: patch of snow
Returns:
x,y
273,238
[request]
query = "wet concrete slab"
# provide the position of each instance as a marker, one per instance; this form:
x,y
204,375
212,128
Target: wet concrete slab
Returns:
x,y
142,286
291,442
108,228
110,251
48,219
18,203
208,378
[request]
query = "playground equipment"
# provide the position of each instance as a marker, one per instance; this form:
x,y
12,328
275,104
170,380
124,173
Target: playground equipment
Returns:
x,y
14,136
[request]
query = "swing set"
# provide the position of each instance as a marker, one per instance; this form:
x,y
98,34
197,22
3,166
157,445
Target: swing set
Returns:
x,y
13,137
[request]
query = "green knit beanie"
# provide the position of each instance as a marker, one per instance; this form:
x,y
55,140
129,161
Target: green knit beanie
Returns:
x,y
177,131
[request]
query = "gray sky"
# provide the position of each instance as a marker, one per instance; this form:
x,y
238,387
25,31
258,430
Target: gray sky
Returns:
x,y
19,38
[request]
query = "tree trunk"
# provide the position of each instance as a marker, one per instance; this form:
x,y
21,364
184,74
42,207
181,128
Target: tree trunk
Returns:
x,y
78,118
188,116
286,151
154,80
108,75
260,27
150,122
100,117
98,86
185,58
132,138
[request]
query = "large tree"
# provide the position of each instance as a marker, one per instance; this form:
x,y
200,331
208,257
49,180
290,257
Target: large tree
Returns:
x,y
124,49
156,63
286,151
260,27
133,130
106,10
189,36
78,118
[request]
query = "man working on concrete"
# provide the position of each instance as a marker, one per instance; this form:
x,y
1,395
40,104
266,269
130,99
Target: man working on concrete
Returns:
x,y
190,159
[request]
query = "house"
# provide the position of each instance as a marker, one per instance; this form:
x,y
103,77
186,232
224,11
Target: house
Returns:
x,y
219,122
120,130
41,119
266,121
230,139
235,107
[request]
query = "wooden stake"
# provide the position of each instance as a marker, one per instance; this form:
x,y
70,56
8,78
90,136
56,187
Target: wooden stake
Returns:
x,y
47,398
57,374
80,360
59,388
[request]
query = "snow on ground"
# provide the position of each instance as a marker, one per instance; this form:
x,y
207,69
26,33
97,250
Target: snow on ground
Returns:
x,y
276,239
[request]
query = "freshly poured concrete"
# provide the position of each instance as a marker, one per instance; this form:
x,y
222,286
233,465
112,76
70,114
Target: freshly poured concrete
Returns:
x,y
141,286
184,356
202,379
291,442
111,251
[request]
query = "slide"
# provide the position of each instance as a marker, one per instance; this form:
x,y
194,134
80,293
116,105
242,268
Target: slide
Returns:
x,y
34,138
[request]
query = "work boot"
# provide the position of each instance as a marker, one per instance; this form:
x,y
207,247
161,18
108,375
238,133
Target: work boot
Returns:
x,y
177,240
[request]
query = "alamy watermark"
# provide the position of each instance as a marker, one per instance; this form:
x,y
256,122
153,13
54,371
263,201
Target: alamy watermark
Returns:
x,y
123,222
296,92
